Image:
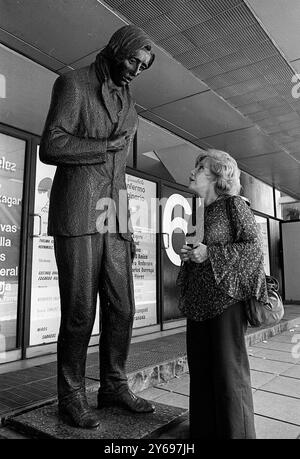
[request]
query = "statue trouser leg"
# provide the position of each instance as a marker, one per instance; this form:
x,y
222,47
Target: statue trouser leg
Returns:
x,y
78,262
117,312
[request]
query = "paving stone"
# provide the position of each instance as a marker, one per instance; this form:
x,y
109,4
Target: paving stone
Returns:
x,y
278,407
152,393
260,378
270,366
281,338
270,344
293,372
272,429
173,399
284,386
115,423
252,350
275,355
179,385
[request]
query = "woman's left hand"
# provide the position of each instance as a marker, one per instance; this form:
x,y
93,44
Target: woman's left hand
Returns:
x,y
199,254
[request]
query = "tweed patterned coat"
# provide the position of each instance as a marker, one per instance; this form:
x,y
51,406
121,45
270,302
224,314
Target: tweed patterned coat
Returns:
x,y
234,269
80,120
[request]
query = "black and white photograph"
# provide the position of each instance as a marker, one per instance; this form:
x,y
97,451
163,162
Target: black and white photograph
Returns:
x,y
150,222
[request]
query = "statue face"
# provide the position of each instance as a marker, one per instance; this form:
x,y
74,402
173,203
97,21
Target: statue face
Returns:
x,y
124,72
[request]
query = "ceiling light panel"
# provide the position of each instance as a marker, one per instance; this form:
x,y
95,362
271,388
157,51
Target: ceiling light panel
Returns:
x,y
189,14
165,6
204,33
208,70
233,61
159,28
139,11
193,58
235,18
220,48
219,6
177,44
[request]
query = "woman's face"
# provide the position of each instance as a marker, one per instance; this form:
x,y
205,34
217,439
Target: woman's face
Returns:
x,y
202,182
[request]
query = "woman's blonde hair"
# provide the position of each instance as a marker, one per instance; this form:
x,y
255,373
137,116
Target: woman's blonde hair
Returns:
x,y
225,170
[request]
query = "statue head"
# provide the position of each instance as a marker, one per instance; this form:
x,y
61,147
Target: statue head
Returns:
x,y
129,52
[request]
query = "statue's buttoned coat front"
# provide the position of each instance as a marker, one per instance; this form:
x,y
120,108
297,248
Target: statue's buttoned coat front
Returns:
x,y
80,120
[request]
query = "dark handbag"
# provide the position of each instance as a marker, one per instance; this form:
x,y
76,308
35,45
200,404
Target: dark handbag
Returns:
x,y
263,314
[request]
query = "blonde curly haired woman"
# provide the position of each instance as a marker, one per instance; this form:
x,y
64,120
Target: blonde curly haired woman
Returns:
x,y
216,277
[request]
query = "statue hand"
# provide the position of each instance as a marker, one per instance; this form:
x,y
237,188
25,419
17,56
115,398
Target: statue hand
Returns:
x,y
117,143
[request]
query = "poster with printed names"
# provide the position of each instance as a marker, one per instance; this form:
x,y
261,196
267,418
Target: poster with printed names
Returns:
x,y
142,204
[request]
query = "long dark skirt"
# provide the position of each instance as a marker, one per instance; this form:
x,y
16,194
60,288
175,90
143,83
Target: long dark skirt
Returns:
x,y
221,404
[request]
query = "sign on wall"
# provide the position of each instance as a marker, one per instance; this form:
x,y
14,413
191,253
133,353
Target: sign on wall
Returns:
x,y
142,205
177,211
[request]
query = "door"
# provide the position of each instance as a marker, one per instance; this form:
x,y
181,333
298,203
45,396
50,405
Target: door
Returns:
x,y
291,259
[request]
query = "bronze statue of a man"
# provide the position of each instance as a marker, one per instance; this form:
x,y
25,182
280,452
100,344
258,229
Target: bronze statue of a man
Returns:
x,y
87,135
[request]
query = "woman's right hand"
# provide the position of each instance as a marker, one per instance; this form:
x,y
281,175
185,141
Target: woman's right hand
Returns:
x,y
185,253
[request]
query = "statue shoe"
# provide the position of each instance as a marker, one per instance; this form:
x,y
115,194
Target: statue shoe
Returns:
x,y
77,413
126,399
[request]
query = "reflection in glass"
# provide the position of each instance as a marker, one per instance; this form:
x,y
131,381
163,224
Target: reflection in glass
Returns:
x,y
12,156
263,227
288,208
163,154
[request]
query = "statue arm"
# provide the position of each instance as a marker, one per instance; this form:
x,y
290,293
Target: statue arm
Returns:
x,y
60,143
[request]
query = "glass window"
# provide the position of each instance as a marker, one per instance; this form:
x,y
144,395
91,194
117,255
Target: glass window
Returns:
x,y
25,90
259,194
263,226
287,208
163,154
278,207
12,157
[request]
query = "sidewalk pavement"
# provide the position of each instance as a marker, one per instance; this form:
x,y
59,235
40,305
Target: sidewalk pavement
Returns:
x,y
275,376
158,370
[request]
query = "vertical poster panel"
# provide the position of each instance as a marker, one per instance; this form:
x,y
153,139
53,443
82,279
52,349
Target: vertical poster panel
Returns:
x,y
12,158
142,204
263,227
177,211
45,299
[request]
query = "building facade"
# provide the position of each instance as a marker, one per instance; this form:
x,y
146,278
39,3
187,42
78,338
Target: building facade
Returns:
x,y
160,207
